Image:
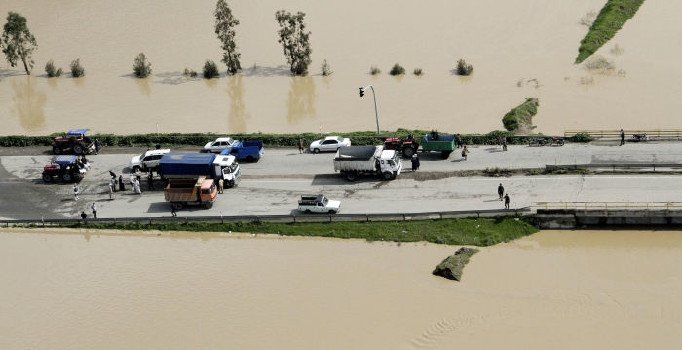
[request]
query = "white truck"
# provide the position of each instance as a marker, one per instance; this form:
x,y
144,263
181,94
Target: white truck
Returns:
x,y
354,161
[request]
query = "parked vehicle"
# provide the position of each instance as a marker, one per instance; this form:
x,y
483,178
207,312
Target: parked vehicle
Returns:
x,y
148,160
64,168
436,142
74,142
407,146
546,141
193,165
640,137
218,145
329,144
181,193
354,161
250,151
318,204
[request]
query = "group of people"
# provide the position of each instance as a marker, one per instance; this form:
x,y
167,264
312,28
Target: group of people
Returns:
x,y
503,196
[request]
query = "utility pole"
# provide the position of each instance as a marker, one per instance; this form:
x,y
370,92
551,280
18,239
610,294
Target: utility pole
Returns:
x,y
376,111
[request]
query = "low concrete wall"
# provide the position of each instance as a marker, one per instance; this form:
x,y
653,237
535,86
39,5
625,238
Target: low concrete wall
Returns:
x,y
571,218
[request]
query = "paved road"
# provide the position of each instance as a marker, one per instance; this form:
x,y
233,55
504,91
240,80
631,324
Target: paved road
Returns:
x,y
272,185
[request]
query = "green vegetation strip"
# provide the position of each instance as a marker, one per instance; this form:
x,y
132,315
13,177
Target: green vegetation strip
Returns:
x,y
270,140
477,232
610,20
520,118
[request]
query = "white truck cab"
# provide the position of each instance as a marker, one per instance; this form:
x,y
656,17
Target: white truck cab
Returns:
x,y
218,145
147,160
228,168
318,204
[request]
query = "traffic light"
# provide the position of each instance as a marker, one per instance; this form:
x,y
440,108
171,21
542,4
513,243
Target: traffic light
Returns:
x,y
362,92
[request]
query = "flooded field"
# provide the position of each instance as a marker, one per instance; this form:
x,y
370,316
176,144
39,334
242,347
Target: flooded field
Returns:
x,y
519,49
555,289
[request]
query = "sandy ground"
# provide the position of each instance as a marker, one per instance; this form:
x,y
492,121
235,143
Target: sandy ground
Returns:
x,y
555,289
520,48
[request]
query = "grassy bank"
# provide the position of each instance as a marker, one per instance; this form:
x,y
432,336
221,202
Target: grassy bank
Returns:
x,y
270,140
610,20
477,232
520,118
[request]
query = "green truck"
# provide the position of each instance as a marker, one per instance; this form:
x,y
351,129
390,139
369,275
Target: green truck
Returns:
x,y
435,142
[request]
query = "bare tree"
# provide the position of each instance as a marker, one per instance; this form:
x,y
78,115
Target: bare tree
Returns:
x,y
17,42
225,23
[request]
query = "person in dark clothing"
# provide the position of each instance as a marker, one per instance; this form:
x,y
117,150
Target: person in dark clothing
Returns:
x,y
84,216
173,213
500,191
506,201
300,146
622,137
415,162
96,146
121,185
150,180
504,144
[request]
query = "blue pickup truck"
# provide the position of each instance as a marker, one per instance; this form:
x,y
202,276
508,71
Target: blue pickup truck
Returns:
x,y
249,151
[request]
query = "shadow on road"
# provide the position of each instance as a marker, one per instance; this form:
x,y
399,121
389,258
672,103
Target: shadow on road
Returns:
x,y
338,180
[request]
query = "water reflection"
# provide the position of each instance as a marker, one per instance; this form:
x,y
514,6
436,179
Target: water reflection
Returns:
x,y
80,82
301,102
144,86
52,82
28,103
238,115
211,83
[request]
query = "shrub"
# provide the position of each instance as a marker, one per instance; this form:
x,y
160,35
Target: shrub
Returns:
x,y
580,137
452,266
397,70
141,67
417,71
326,69
374,70
588,19
600,64
210,70
51,70
77,69
520,118
189,73
463,68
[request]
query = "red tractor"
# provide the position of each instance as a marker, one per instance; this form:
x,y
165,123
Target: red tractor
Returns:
x,y
407,146
74,142
64,168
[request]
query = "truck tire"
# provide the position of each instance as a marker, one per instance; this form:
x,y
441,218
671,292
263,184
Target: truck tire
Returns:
x,y
208,205
316,150
78,149
387,175
230,184
66,177
408,152
352,177
307,211
56,150
135,169
47,178
249,159
176,205
445,154
331,212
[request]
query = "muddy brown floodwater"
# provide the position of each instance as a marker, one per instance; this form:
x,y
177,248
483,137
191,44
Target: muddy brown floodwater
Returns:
x,y
519,49
552,290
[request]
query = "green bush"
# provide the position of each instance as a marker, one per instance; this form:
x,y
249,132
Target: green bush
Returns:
x,y
210,70
189,73
520,118
463,68
51,70
580,137
141,67
417,71
397,70
374,70
77,70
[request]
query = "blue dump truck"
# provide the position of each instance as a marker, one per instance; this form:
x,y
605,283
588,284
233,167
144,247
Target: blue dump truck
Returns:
x,y
249,151
195,165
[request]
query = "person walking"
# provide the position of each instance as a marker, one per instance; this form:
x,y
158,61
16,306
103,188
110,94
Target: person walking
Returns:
x,y
96,146
111,191
415,162
465,152
300,145
622,137
121,184
94,210
173,213
76,192
504,144
500,191
150,180
506,201
221,184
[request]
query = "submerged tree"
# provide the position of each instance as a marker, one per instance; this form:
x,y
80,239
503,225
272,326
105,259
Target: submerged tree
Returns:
x,y
141,67
224,28
17,42
295,41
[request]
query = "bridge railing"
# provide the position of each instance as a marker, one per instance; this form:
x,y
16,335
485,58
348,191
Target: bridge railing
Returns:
x,y
608,205
654,134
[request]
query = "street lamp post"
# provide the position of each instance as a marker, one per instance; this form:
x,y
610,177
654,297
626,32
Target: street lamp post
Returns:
x,y
376,111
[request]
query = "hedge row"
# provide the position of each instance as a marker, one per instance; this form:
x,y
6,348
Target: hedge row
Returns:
x,y
270,140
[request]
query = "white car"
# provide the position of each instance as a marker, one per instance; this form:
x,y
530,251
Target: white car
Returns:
x,y
218,145
329,144
318,204
147,160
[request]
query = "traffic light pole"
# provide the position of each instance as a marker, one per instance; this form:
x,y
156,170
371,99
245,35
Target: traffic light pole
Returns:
x,y
376,110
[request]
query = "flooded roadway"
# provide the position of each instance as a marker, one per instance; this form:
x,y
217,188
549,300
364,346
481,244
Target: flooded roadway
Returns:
x,y
555,289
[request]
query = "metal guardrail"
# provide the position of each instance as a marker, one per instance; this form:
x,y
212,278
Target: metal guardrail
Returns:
x,y
661,134
608,205
278,218
615,166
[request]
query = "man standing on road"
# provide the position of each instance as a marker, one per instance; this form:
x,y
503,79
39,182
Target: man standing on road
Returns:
x,y
76,191
415,162
221,184
622,137
94,210
500,191
506,201
150,180
173,213
84,216
300,145
121,184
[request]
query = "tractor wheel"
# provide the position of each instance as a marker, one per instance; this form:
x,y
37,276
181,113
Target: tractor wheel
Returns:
x,y
66,177
56,150
408,152
78,149
47,178
352,177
